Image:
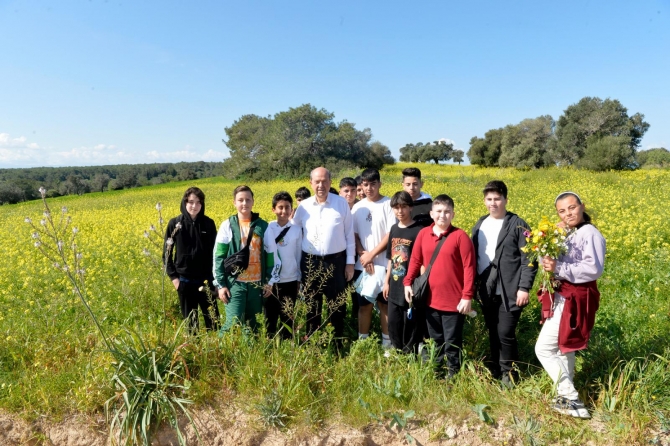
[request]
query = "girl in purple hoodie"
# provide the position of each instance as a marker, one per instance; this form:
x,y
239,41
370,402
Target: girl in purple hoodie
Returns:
x,y
570,315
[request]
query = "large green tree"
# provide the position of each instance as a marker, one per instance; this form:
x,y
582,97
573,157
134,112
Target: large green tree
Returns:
x,y
527,144
592,119
486,151
293,142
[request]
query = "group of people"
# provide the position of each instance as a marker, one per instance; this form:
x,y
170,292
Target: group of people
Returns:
x,y
333,242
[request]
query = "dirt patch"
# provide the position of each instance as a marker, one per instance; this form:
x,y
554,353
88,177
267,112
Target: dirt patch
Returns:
x,y
234,427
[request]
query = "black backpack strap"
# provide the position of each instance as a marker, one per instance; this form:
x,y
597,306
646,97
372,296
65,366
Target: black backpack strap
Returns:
x,y
437,250
282,234
251,234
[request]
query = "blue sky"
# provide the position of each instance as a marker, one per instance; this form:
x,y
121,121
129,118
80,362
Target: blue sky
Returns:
x,y
107,82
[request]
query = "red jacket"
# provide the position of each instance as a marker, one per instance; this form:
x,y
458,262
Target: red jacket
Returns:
x,y
579,313
452,277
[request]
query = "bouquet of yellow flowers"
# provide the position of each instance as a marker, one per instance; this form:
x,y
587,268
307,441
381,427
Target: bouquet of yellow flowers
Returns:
x,y
548,240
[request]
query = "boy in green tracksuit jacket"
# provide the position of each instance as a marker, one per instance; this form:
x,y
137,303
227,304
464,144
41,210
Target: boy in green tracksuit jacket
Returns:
x,y
242,295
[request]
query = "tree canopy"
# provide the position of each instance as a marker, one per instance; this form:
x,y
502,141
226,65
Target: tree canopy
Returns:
x,y
589,122
486,151
593,133
293,142
528,143
658,157
421,153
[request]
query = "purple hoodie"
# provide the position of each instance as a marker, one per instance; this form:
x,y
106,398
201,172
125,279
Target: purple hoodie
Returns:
x,y
585,258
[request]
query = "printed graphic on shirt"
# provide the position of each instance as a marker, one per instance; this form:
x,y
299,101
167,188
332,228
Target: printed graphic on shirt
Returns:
x,y
282,241
399,257
253,271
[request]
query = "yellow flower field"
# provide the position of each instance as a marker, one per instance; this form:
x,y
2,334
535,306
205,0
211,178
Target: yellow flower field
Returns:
x,y
50,349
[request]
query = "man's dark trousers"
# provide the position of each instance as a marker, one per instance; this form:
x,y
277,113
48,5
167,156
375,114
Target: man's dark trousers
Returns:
x,y
324,275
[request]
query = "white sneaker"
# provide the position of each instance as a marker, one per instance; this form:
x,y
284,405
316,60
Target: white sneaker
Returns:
x,y
387,346
574,408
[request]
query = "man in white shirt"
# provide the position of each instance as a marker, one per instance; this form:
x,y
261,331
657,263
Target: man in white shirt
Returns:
x,y
373,219
328,247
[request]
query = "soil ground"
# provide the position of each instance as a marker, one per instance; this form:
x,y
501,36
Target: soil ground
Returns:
x,y
233,427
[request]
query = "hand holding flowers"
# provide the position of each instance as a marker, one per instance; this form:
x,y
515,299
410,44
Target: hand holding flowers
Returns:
x,y
547,242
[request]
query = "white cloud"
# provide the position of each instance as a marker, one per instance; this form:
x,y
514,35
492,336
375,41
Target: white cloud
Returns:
x,y
19,152
6,141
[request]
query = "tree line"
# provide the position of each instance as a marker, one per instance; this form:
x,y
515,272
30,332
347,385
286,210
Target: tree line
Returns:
x,y
594,134
17,185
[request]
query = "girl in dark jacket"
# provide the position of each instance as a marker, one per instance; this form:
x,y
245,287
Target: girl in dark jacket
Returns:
x,y
504,278
189,243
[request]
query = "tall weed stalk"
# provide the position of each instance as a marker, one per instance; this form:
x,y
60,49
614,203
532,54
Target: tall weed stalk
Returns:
x,y
150,378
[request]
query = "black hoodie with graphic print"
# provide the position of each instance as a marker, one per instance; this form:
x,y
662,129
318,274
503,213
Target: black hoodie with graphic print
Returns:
x,y
192,253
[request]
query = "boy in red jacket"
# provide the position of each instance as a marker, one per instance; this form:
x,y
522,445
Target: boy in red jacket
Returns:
x,y
451,281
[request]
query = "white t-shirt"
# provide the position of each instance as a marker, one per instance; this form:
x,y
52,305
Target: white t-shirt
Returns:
x,y
372,221
487,239
289,248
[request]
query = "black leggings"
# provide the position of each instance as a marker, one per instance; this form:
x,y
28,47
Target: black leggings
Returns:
x,y
190,299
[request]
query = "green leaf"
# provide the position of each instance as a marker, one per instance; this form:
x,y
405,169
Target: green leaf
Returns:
x,y
480,410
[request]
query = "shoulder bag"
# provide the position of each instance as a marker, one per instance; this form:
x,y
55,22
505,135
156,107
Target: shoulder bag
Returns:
x,y
420,289
236,263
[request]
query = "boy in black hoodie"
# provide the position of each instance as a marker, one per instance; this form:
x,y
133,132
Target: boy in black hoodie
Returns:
x,y
188,256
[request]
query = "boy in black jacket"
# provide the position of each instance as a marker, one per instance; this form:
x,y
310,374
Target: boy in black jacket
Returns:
x,y
504,278
188,256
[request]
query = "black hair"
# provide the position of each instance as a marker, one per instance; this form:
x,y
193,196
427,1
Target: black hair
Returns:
x,y
302,193
242,188
347,181
402,198
359,180
562,195
411,172
370,175
332,190
281,196
497,187
444,200
195,191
